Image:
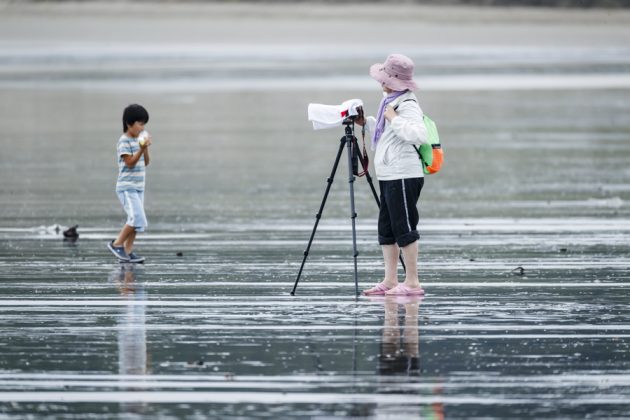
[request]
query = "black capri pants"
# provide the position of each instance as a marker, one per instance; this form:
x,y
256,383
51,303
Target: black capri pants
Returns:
x,y
398,215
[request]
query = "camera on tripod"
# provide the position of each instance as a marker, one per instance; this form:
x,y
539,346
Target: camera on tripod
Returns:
x,y
346,114
329,116
350,119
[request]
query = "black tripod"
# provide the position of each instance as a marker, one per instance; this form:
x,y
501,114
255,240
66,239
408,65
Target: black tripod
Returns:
x,y
352,146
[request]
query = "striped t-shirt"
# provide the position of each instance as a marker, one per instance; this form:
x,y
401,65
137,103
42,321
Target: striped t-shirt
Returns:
x,y
129,178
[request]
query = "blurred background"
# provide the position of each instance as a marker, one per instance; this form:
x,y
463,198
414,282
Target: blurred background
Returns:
x,y
532,105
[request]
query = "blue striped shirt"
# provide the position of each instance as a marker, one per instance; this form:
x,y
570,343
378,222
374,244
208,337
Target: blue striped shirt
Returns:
x,y
129,178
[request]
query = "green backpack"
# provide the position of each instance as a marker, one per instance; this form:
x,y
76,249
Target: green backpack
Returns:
x,y
431,154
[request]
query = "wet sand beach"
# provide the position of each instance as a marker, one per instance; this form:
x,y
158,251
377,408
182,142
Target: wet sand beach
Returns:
x,y
533,107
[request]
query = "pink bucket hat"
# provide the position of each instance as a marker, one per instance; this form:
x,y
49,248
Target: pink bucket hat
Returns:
x,y
395,73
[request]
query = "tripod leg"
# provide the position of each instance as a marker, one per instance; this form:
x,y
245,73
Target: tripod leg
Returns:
x,y
321,209
378,202
368,177
353,214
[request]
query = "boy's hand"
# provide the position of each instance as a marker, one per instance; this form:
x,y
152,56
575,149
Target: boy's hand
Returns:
x,y
146,142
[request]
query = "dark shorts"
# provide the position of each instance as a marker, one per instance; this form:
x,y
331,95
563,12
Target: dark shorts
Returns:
x,y
398,215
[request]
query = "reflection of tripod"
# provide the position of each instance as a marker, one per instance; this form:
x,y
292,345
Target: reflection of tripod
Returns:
x,y
352,146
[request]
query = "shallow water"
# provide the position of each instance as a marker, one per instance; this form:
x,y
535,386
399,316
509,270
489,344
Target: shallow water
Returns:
x,y
536,176
215,332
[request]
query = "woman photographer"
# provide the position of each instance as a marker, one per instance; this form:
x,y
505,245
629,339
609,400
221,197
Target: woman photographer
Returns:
x,y
397,129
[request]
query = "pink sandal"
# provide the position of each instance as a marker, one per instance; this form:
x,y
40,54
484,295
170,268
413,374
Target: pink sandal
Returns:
x,y
402,290
378,290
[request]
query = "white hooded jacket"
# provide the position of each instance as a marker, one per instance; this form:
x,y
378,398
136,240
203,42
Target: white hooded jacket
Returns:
x,y
395,158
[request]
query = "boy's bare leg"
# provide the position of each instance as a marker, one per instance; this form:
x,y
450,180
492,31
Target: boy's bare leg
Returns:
x,y
390,256
410,256
129,242
123,235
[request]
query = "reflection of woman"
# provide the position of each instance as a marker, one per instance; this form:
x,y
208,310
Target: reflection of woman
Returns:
x,y
400,356
395,131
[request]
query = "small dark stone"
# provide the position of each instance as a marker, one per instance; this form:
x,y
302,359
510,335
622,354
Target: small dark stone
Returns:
x,y
71,232
563,250
180,254
471,259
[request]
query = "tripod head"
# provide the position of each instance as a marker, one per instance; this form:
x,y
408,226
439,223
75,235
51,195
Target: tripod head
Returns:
x,y
348,121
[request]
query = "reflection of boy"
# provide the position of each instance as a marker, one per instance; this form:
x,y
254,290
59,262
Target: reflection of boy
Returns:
x,y
133,355
133,157
132,344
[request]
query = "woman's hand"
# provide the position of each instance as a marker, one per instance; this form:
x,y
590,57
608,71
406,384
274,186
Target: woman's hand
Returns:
x,y
360,118
390,114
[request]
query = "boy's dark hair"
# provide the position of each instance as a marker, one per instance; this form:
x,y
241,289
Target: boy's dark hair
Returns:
x,y
133,113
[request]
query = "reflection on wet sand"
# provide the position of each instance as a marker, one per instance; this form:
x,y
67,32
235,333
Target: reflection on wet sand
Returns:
x,y
400,356
399,351
132,341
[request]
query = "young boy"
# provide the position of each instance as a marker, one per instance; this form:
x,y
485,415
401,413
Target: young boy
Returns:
x,y
133,156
